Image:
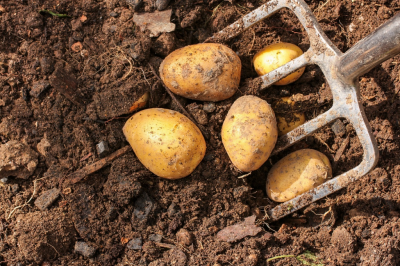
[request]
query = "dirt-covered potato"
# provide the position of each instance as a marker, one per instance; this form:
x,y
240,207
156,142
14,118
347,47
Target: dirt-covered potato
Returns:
x,y
297,173
205,72
166,142
295,119
276,55
249,132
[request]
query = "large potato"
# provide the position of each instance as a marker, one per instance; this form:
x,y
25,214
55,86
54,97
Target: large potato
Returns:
x,y
285,126
276,55
205,72
166,142
297,173
249,132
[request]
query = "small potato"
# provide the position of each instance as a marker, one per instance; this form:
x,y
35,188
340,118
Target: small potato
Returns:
x,y
249,132
297,173
204,72
166,142
297,119
276,55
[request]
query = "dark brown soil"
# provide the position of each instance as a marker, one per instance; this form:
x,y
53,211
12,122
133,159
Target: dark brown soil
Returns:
x,y
67,83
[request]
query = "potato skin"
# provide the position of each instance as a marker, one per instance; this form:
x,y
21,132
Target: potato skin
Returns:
x,y
205,72
166,142
249,132
297,173
284,126
276,55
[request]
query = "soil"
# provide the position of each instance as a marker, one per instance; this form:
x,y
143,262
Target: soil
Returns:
x,y
67,83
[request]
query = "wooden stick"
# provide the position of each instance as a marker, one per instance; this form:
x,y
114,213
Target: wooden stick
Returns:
x,y
90,169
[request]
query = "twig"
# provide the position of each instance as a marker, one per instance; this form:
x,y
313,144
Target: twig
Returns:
x,y
245,175
90,169
281,257
26,202
164,245
341,149
205,133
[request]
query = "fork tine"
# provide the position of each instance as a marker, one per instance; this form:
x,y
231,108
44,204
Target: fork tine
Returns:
x,y
302,131
281,72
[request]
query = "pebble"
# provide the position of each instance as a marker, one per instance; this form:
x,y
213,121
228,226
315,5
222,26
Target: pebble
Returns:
x,y
209,157
338,128
38,87
84,249
102,148
47,198
162,4
4,180
135,244
155,238
143,206
113,14
172,210
135,3
209,107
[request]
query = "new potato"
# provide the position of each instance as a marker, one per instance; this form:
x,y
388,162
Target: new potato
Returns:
x,y
285,126
276,55
297,173
166,142
249,132
205,72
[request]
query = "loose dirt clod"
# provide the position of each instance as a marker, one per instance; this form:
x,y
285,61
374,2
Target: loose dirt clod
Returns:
x,y
17,159
240,230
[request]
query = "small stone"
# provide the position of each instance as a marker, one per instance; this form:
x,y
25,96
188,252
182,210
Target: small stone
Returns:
x,y
136,4
209,107
113,14
84,249
338,128
47,65
143,207
47,198
155,238
14,188
184,237
135,244
38,87
240,230
162,4
4,180
172,210
102,148
156,22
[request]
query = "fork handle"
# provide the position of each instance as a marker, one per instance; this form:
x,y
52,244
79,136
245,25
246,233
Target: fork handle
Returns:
x,y
377,47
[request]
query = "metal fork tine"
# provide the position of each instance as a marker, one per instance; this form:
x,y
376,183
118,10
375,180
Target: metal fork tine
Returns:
x,y
281,72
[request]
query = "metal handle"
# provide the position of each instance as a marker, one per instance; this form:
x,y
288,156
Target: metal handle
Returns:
x,y
377,47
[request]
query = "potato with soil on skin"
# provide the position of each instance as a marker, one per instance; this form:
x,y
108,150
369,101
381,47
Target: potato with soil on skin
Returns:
x,y
297,119
297,173
204,72
166,142
276,55
249,132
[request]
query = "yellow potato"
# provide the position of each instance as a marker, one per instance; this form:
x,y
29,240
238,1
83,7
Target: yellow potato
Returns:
x,y
166,142
205,72
276,55
297,173
283,125
249,132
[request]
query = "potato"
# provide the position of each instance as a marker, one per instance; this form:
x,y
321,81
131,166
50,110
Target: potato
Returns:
x,y
166,142
276,55
205,72
249,132
297,173
283,125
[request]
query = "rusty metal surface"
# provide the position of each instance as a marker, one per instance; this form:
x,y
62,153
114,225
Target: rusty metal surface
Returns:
x,y
345,91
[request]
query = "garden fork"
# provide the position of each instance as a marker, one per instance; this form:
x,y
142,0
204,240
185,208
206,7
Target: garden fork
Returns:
x,y
342,71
